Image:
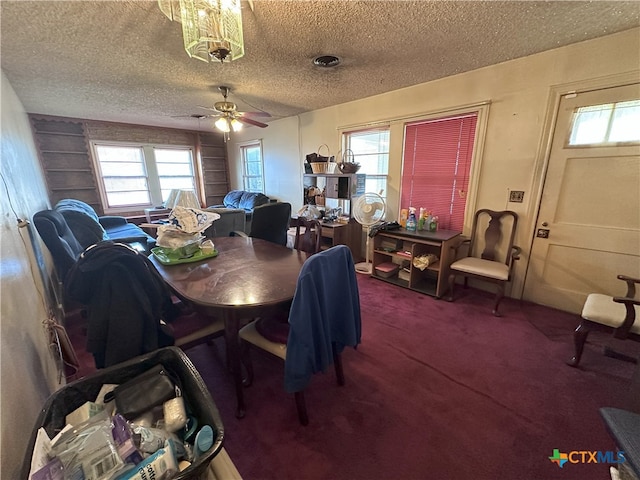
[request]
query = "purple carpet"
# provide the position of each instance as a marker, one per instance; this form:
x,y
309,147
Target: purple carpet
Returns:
x,y
436,390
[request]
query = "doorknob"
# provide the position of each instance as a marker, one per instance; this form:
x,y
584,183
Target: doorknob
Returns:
x,y
545,224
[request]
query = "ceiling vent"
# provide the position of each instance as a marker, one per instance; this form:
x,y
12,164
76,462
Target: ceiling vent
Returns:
x,y
326,61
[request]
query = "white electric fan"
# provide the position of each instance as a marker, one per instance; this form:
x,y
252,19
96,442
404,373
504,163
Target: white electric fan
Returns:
x,y
368,210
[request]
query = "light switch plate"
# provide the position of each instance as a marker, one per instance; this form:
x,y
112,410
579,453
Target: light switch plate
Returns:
x,y
516,196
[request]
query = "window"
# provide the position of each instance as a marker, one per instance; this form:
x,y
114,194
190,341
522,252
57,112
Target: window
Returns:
x,y
175,170
436,165
608,123
252,171
138,176
371,150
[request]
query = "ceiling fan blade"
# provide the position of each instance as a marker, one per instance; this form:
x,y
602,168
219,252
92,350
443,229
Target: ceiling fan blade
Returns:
x,y
209,108
255,114
194,115
250,121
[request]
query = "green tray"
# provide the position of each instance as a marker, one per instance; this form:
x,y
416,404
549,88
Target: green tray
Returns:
x,y
171,258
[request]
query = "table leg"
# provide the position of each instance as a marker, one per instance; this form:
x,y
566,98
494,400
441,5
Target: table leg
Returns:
x,y
231,328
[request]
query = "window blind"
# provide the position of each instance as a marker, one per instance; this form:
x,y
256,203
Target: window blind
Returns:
x,y
436,164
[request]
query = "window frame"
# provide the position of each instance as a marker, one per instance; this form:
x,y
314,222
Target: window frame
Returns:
x,y
242,149
346,143
482,111
151,170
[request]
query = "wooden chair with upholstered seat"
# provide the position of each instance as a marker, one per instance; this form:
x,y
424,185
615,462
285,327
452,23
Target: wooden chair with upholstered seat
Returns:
x,y
194,329
308,235
323,319
609,313
490,253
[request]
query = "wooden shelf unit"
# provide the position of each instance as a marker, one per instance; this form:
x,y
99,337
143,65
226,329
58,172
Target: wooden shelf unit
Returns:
x,y
340,190
63,150
338,186
390,247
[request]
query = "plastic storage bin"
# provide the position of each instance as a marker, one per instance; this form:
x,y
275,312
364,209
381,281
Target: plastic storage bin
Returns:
x,y
387,269
196,395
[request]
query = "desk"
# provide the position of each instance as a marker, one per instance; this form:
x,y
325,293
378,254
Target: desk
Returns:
x,y
152,214
248,278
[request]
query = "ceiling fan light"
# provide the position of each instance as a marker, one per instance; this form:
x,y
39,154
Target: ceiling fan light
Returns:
x,y
236,125
222,124
212,29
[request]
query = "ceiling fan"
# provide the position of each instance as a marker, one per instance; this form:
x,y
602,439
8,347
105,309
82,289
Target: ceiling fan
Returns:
x,y
229,118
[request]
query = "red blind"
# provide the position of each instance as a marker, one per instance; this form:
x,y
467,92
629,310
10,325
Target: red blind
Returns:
x,y
436,165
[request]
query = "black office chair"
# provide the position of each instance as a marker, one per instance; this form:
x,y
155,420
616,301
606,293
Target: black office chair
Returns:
x,y
270,222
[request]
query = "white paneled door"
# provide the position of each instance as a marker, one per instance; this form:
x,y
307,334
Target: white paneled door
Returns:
x,y
588,228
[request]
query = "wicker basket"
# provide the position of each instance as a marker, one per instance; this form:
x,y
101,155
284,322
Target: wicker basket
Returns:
x,y
323,167
349,167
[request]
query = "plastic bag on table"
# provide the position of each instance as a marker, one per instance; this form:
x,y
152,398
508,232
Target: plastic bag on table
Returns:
x,y
190,220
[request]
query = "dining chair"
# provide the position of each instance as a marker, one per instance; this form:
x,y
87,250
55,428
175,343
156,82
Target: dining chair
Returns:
x,y
130,310
269,222
611,314
490,252
308,235
194,328
324,318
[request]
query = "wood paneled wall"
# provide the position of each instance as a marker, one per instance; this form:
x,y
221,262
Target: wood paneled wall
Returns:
x,y
215,169
66,157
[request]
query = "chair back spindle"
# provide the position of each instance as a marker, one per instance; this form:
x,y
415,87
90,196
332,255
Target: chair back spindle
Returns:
x,y
491,239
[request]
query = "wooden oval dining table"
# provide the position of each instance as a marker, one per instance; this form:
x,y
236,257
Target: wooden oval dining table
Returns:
x,y
249,277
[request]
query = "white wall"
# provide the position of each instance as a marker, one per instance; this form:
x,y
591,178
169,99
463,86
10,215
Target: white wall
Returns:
x,y
28,375
519,92
282,175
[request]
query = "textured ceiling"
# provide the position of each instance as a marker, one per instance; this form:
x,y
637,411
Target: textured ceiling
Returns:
x,y
123,60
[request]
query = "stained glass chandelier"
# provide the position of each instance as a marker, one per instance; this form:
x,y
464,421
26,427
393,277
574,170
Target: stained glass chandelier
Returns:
x,y
211,29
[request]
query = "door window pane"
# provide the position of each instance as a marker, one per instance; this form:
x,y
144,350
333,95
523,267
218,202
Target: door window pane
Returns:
x,y
625,122
606,123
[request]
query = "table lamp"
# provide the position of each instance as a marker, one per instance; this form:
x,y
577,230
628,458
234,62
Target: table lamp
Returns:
x,y
171,199
187,199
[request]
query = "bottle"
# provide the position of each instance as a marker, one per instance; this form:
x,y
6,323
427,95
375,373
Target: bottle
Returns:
x,y
403,217
427,221
421,219
433,226
411,221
